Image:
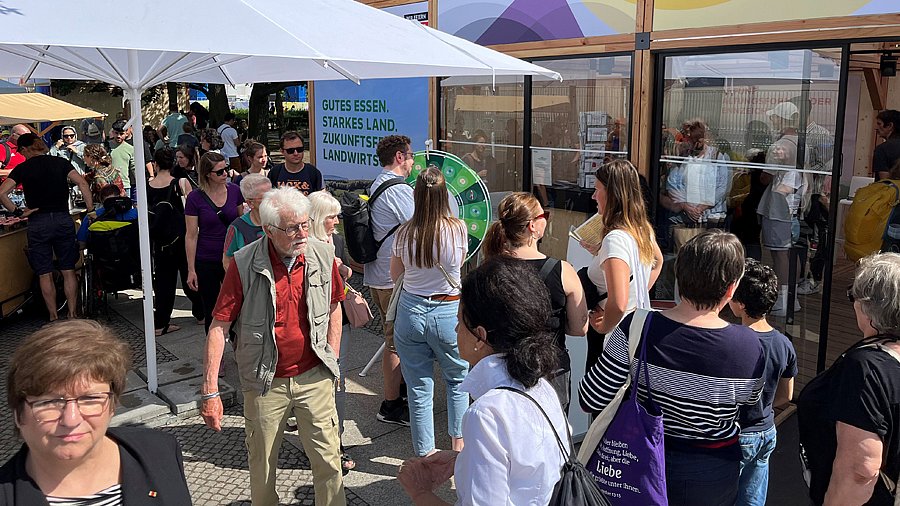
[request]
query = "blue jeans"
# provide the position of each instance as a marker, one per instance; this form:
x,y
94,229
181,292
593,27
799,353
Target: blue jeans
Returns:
x,y
754,483
425,332
700,478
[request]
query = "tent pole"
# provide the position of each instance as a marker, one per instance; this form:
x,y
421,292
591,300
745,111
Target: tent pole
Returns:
x,y
134,95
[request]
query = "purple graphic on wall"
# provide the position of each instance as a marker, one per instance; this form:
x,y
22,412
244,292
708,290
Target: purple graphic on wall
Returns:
x,y
532,20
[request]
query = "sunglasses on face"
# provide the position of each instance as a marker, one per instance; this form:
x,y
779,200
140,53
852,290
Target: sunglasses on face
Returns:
x,y
220,172
292,151
68,136
545,215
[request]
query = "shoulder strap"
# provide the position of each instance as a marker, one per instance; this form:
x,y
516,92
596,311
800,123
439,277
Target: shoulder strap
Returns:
x,y
216,208
382,187
548,267
567,454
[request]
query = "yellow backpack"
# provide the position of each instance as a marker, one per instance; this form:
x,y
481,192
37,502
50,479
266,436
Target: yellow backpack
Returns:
x,y
868,218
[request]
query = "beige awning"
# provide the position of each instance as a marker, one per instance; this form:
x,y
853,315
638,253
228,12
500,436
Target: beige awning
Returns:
x,y
37,107
488,103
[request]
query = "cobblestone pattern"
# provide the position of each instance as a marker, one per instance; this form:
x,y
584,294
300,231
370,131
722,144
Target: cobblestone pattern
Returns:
x,y
216,464
14,330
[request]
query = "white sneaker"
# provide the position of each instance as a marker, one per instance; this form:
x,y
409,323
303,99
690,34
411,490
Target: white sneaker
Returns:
x,y
808,286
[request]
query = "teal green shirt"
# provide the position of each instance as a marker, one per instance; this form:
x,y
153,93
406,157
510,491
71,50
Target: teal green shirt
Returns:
x,y
235,239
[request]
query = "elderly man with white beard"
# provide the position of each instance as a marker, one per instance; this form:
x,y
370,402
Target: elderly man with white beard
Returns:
x,y
286,347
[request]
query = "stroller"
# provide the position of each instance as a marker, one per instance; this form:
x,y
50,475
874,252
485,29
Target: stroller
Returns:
x,y
112,262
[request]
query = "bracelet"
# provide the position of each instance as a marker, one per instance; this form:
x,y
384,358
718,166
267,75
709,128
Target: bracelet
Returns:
x,y
211,395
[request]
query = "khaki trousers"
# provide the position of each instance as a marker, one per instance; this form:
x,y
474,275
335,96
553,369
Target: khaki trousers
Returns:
x,y
382,298
309,397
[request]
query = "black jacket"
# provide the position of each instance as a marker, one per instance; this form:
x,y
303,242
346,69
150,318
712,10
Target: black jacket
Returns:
x,y
152,472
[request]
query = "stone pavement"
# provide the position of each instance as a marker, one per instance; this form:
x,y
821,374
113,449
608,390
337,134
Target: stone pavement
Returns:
x,y
216,463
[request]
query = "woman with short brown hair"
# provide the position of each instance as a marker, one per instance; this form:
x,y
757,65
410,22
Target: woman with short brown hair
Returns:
x,y
64,383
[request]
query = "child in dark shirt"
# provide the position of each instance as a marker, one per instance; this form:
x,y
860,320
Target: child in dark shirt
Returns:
x,y
752,301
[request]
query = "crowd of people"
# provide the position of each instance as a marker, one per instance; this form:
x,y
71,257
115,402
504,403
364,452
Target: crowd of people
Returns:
x,y
268,273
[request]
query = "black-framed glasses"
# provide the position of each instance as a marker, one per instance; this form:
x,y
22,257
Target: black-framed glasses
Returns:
x,y
68,136
50,410
220,172
294,229
292,151
850,295
545,215
409,154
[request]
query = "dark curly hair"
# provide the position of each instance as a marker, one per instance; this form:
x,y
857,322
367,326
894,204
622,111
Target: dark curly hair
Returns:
x,y
388,147
506,298
758,289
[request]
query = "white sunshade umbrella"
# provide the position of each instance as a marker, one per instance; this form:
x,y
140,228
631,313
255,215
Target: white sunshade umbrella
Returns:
x,y
136,45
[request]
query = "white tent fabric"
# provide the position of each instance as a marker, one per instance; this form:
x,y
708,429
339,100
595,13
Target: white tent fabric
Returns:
x,y
137,45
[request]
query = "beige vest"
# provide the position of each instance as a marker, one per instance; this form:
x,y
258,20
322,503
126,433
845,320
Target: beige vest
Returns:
x,y
255,351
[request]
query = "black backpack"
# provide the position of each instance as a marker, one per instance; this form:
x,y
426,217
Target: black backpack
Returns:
x,y
576,486
163,218
357,215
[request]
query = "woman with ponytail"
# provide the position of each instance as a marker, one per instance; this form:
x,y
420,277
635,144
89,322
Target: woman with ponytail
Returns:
x,y
520,224
511,454
627,261
429,251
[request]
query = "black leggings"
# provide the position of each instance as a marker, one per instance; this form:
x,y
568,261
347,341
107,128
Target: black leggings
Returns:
x,y
209,280
169,263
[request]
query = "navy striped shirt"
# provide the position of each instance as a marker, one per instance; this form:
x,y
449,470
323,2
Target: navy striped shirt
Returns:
x,y
698,376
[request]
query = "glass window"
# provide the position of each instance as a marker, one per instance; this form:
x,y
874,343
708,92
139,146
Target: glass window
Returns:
x,y
482,124
577,124
747,141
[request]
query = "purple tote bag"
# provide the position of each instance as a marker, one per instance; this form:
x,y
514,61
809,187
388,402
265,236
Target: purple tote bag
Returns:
x,y
629,464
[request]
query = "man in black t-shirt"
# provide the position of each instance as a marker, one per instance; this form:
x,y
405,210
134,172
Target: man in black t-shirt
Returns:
x,y
45,181
294,172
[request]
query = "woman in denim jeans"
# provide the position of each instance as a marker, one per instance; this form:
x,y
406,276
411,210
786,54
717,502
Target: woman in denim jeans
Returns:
x,y
429,252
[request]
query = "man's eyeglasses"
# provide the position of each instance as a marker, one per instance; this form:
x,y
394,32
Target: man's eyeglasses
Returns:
x,y
409,154
50,410
295,229
292,151
220,172
545,215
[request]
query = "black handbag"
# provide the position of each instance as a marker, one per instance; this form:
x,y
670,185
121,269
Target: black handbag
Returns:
x,y
576,486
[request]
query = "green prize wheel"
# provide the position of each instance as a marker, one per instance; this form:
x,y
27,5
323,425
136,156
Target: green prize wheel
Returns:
x,y
466,187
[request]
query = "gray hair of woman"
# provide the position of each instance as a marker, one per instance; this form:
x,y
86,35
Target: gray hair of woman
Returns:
x,y
322,205
254,186
282,202
877,289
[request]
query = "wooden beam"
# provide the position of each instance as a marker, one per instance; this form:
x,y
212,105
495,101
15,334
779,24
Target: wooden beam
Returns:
x,y
567,47
877,92
644,16
642,112
845,27
381,4
311,111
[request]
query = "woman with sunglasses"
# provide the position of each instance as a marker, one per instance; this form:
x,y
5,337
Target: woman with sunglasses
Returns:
x,y
65,381
521,223
207,213
627,261
70,148
429,251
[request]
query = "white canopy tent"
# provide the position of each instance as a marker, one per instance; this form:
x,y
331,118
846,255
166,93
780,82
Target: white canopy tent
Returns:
x,y
135,45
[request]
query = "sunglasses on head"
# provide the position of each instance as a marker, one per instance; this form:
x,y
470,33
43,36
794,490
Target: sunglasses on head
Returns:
x,y
219,172
292,151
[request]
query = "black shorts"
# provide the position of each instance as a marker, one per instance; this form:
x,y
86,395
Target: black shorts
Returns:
x,y
51,234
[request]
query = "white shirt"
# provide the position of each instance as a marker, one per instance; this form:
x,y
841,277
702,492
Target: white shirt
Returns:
x,y
617,244
431,281
511,455
393,207
228,135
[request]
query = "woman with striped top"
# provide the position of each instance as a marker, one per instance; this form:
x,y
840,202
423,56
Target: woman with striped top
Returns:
x,y
701,368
